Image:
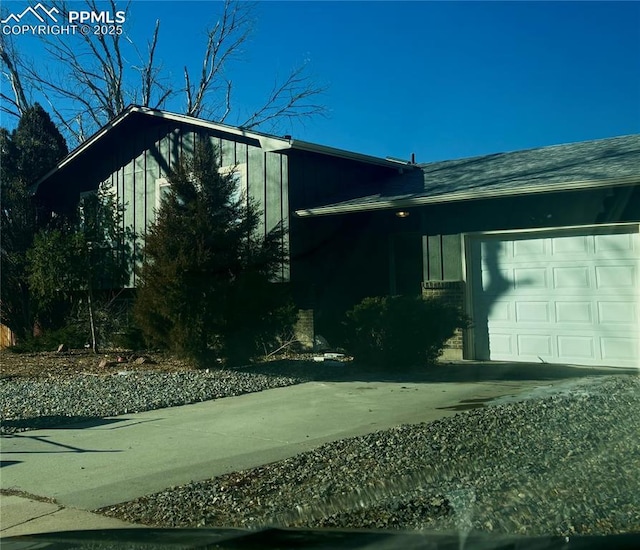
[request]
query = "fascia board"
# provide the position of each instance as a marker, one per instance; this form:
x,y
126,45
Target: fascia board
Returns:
x,y
473,194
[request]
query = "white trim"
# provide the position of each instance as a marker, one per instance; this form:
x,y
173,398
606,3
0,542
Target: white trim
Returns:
x,y
468,337
554,228
160,182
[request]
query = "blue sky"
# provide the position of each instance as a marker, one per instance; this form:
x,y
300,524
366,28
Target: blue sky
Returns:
x,y
438,79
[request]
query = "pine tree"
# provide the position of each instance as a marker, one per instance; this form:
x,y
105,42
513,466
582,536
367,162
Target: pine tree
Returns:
x,y
205,283
39,145
27,153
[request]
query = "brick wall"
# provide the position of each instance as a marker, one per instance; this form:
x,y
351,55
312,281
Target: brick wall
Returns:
x,y
452,292
304,329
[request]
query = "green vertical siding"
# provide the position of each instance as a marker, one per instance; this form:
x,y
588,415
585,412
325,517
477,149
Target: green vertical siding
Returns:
x,y
174,148
452,257
434,251
256,181
442,260
273,191
153,172
405,255
228,153
286,269
128,196
140,185
158,152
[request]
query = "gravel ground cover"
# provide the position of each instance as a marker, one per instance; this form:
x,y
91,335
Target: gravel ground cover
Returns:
x,y
40,390
562,465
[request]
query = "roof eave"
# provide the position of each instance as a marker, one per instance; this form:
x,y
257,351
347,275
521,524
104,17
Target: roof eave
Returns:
x,y
267,142
86,144
349,155
467,195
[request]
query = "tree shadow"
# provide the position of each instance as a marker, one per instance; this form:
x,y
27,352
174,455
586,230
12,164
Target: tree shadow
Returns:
x,y
58,422
64,448
461,372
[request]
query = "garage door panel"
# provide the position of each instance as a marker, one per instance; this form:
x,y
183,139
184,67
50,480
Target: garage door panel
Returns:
x,y
572,277
614,243
619,348
618,313
529,248
503,249
581,347
496,281
535,345
500,312
574,312
560,297
503,345
530,278
562,246
620,276
532,312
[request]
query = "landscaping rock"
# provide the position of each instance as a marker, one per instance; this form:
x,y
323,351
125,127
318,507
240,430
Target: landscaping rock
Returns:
x,y
562,465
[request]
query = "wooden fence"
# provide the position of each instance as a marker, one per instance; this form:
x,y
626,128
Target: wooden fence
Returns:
x,y
6,337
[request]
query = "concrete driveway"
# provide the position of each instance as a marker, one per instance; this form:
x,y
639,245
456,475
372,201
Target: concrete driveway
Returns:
x,y
112,460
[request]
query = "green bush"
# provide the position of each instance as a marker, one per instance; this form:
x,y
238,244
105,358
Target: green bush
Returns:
x,y
72,335
400,330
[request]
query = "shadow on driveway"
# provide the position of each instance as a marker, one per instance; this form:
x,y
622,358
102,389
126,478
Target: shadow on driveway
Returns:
x,y
464,371
58,422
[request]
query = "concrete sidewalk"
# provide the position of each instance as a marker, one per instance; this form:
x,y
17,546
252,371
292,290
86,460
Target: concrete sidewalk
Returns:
x,y
25,515
112,460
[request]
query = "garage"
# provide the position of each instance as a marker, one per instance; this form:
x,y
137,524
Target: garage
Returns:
x,y
559,296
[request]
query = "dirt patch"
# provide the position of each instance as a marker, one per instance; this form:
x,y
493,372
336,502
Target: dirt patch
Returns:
x,y
24,494
42,364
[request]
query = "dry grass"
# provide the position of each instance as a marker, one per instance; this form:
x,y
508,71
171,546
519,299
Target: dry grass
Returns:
x,y
81,361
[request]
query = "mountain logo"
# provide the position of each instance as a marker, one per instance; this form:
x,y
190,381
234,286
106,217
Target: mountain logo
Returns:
x,y
41,13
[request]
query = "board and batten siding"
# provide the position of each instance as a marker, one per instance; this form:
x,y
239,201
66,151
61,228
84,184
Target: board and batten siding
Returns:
x,y
158,150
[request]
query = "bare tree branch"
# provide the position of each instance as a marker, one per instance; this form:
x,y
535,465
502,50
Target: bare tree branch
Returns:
x,y
227,102
153,92
10,61
9,106
224,41
292,98
88,79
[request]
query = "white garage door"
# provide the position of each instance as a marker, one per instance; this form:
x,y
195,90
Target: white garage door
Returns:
x,y
561,297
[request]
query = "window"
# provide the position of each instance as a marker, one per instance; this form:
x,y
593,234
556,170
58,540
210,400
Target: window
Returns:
x,y
162,190
239,172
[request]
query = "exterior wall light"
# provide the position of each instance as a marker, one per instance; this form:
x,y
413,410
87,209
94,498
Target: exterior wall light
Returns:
x,y
402,214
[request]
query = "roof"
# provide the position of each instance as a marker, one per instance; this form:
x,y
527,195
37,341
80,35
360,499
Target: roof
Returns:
x,y
584,165
133,113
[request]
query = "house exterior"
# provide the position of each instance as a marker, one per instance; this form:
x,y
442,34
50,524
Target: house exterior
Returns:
x,y
134,153
540,248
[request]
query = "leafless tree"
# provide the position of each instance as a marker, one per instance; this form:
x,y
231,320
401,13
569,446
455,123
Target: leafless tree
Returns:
x,y
90,75
12,105
294,97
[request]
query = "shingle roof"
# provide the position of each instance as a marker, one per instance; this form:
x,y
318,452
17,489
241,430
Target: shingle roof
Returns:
x,y
583,165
